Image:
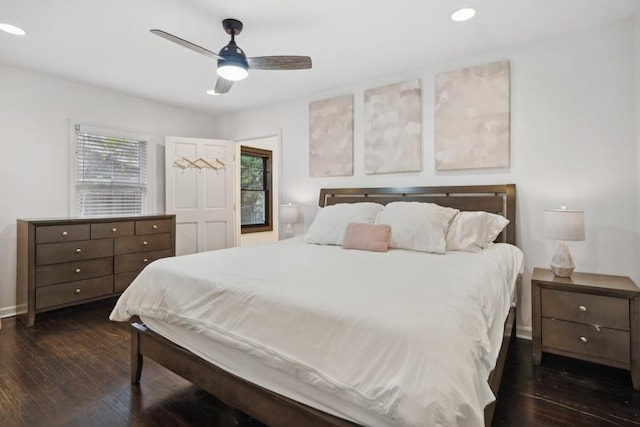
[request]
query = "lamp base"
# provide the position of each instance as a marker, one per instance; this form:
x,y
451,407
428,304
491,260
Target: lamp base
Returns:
x,y
288,231
562,262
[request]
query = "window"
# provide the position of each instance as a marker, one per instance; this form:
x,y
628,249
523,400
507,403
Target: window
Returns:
x,y
255,190
111,174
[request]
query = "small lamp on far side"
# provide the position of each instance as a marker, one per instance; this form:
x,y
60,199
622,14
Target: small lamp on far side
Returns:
x,y
289,215
563,225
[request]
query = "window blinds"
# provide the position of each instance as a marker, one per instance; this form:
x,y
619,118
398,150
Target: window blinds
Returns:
x,y
111,175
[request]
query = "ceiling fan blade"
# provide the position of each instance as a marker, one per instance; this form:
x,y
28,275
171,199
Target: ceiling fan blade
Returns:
x,y
184,43
223,85
279,62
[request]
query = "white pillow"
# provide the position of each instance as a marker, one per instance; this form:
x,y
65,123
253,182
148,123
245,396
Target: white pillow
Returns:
x,y
417,226
329,226
473,231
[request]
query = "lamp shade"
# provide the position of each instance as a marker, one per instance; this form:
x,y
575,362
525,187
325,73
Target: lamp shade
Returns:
x,y
289,213
564,224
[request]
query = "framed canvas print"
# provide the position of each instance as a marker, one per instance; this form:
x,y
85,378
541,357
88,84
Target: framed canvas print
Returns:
x,y
472,118
331,137
393,128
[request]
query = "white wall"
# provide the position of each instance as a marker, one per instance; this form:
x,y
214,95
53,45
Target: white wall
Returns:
x,y
637,75
35,112
573,141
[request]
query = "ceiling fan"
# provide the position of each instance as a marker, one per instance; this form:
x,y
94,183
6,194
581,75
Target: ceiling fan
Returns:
x,y
233,64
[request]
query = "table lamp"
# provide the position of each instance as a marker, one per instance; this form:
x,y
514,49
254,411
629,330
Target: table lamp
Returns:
x,y
563,225
289,215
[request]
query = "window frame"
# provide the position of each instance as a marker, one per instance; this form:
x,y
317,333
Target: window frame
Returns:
x,y
267,155
109,131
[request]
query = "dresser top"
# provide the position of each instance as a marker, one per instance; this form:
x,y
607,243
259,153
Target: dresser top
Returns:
x,y
91,219
585,280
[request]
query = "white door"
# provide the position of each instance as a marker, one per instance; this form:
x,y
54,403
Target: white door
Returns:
x,y
200,193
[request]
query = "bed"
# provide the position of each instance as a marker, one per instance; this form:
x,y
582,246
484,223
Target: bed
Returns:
x,y
313,346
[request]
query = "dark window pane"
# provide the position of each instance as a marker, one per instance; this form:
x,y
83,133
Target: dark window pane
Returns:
x,y
253,208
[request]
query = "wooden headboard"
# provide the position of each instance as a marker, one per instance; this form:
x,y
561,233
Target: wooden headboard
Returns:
x,y
498,199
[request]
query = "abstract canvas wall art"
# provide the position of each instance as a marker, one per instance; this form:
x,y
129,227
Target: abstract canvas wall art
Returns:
x,y
331,136
472,114
393,128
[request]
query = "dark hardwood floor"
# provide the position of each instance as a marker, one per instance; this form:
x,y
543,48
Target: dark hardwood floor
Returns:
x,y
72,369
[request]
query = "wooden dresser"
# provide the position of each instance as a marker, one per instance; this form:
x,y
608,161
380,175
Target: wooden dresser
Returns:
x,y
593,317
65,262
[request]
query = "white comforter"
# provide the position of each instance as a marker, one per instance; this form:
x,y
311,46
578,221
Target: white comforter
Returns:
x,y
409,336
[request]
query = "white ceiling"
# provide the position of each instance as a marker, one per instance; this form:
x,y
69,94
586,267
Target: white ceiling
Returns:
x,y
107,43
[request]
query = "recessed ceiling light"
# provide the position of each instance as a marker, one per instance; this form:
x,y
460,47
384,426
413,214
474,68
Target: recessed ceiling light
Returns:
x,y
12,29
212,92
463,14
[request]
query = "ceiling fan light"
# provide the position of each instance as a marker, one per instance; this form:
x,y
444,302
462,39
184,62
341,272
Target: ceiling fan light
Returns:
x,y
232,72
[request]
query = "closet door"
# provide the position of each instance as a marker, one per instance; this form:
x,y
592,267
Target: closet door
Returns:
x,y
199,190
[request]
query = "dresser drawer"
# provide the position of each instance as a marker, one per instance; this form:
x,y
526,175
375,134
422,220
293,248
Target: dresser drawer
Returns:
x,y
70,271
111,229
123,280
586,308
131,244
611,344
154,226
66,293
51,253
134,262
62,233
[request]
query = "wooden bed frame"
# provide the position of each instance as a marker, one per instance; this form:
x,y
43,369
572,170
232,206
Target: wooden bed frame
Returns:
x,y
275,410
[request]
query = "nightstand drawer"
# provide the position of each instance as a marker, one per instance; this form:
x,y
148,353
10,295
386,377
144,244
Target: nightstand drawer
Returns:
x,y
577,307
585,340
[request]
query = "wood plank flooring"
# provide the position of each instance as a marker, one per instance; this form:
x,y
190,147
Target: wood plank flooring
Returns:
x,y
72,369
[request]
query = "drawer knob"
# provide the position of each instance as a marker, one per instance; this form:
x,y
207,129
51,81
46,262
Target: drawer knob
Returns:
x,y
145,260
582,308
64,233
114,229
155,227
583,340
78,270
77,290
78,250
145,243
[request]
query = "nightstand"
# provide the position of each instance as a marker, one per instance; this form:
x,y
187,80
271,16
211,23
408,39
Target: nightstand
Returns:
x,y
592,317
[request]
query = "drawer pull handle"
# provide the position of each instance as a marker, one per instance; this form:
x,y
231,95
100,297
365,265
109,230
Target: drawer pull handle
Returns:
x,y
145,260
582,308
64,233
78,250
583,340
155,227
145,243
77,290
114,229
78,270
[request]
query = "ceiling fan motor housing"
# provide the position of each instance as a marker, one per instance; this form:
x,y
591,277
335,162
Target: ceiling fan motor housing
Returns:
x,y
232,64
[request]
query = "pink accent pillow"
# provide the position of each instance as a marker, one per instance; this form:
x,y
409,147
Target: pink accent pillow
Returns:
x,y
367,237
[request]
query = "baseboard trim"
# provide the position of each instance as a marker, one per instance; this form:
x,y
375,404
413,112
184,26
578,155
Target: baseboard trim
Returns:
x,y
523,332
10,311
